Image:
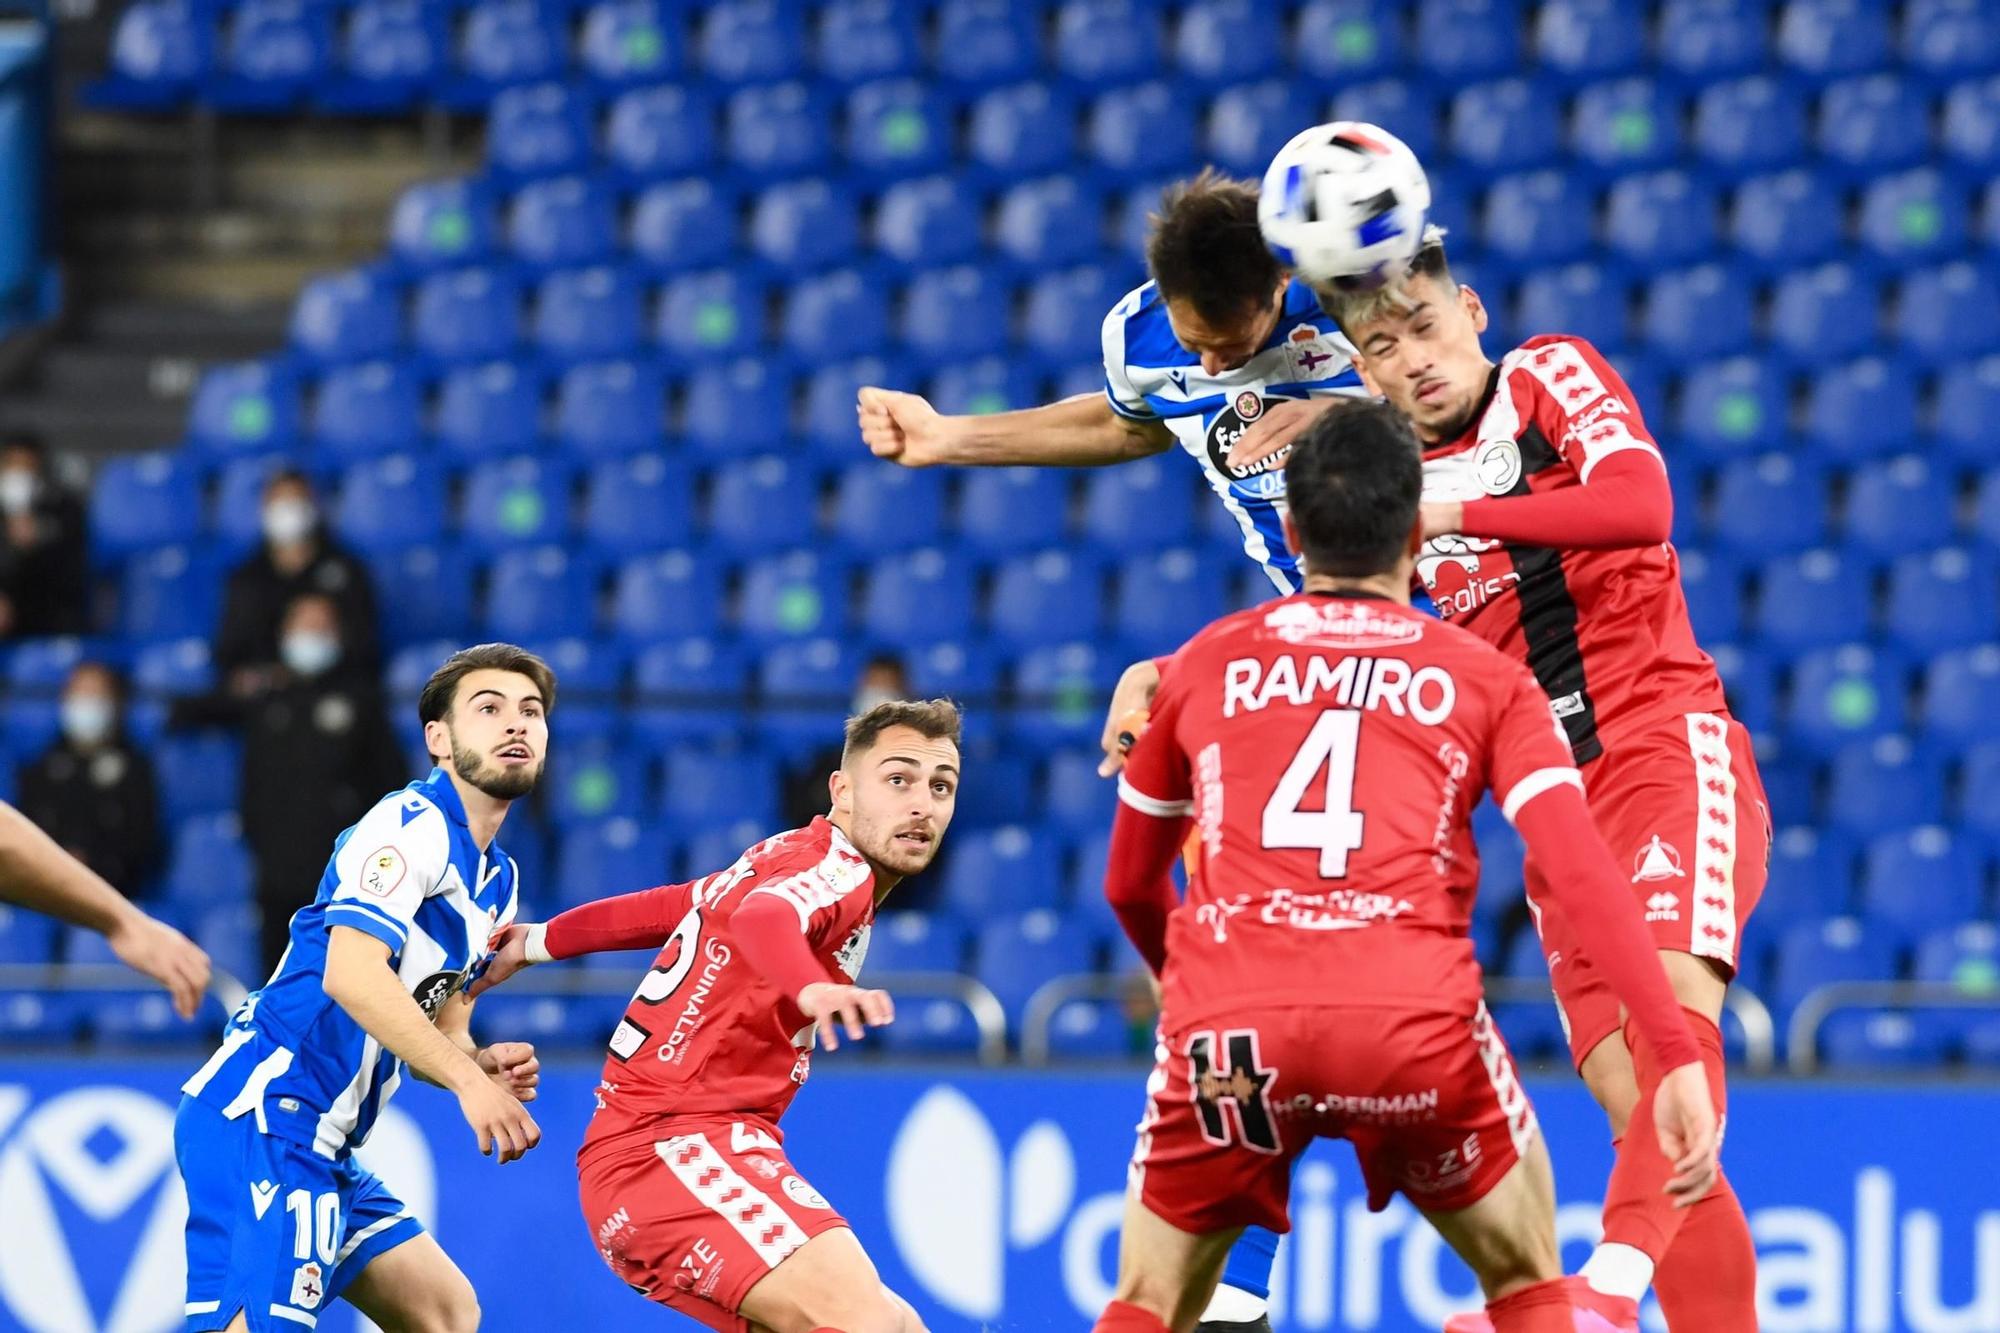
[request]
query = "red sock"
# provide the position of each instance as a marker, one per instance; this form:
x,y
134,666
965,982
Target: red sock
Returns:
x,y
1637,1211
1119,1317
1709,1278
1542,1308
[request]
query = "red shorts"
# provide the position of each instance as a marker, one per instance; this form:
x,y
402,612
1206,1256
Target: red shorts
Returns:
x,y
1683,811
698,1218
1430,1102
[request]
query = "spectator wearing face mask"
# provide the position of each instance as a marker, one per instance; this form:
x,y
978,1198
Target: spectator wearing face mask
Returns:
x,y
883,678
43,546
91,791
297,557
318,751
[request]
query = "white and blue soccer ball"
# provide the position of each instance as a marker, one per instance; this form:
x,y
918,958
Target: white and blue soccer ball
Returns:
x,y
1344,203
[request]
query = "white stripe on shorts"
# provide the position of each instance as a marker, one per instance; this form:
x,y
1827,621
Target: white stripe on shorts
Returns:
x,y
373,1228
1507,1089
756,1217
201,1307
1713,927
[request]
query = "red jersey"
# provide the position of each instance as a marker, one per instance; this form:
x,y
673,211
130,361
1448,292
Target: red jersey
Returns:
x,y
1605,632
706,1033
1330,749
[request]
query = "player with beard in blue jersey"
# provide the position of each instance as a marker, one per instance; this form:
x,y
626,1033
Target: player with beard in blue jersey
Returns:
x,y
1192,358
281,1218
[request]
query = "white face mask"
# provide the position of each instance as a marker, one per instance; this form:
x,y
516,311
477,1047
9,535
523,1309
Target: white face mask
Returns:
x,y
288,521
868,698
17,490
308,652
87,719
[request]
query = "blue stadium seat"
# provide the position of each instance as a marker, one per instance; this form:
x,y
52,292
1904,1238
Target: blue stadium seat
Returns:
x,y
1510,124
898,127
638,504
989,384
1843,694
1250,122
630,42
1950,37
1814,600
1460,40
652,133
1884,784
1222,41
1002,790
1141,506
1542,217
443,224
878,509
1624,124
368,409
801,227
587,314
1088,1029
1103,43
210,866
1898,507
607,408
580,1024
1060,690
178,667
1884,1040
1733,408
142,501
247,408
1411,105
1588,300
1979,771
1825,313
1063,318
704,786
388,503
1828,38
1048,223
1714,590
27,938
542,592
803,695
1959,689
751,42
1050,597
828,422
1703,311
466,315
952,314
1913,216
1871,125
488,409
513,502
41,665
682,225
616,856
542,129
502,43
1811,877
597,782
1140,132
1841,948
1074,797
1022,130
706,316
1970,131
198,773
841,314
858,40
713,420
992,872
1862,409
1949,312
272,53
1343,41
795,596
1662,218
350,316
170,592
425,594
762,502
1751,124
1587,39
40,1018
777,130
563,222
688,688
1986,507
1934,599
912,941
1966,956
1921,878
931,220
1788,218
985,43
160,51
1967,416
670,594
918,597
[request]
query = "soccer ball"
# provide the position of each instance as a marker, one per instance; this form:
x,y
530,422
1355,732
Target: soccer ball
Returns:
x,y
1344,203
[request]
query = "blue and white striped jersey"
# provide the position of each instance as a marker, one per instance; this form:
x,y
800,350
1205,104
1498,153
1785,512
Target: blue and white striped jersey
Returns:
x,y
409,874
1149,376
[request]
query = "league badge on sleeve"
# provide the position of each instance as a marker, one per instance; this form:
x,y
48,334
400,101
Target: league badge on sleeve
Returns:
x,y
384,870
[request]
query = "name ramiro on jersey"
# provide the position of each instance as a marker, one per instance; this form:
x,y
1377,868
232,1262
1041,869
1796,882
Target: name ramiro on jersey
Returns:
x,y
1426,694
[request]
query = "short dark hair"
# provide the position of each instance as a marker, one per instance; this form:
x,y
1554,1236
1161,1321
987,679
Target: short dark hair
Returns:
x,y
1204,247
937,719
435,703
1352,485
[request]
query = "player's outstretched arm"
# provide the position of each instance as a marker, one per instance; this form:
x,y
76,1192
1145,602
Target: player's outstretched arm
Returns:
x,y
359,979
1125,719
772,934
38,875
1077,432
642,920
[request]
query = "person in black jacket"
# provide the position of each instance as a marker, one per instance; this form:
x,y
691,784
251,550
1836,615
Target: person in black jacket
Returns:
x,y
297,557
44,568
318,751
92,791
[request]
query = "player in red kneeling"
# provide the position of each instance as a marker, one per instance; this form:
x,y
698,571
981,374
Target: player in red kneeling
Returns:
x,y
685,1183
1319,980
1547,513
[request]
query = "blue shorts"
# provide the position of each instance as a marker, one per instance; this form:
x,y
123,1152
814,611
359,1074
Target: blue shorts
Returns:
x,y
274,1229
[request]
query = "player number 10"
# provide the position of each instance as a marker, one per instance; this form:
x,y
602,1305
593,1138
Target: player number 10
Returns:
x,y
314,1227
1332,744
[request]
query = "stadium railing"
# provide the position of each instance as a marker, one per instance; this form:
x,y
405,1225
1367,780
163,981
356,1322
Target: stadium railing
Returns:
x,y
1822,1002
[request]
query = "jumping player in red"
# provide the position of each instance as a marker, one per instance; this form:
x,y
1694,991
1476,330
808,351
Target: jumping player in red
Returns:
x,y
1546,514
685,1183
1320,980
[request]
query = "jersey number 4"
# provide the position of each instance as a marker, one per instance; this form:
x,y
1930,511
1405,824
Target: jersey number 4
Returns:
x,y
1336,830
